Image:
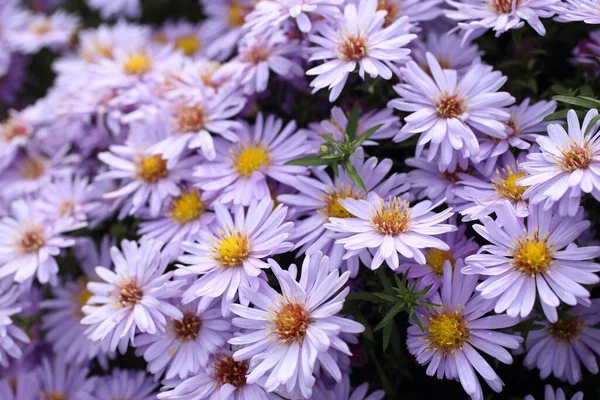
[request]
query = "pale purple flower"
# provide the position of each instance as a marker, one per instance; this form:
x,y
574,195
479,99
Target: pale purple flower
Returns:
x,y
12,79
58,379
242,170
415,10
446,110
69,197
16,132
477,16
551,394
285,334
535,257
344,391
51,31
191,39
227,18
184,348
587,51
360,39
125,384
456,331
22,386
111,8
448,51
567,166
133,297
230,254
578,10
11,336
29,244
390,227
561,347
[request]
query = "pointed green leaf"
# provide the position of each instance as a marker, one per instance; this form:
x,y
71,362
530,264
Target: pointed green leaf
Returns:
x,y
387,334
365,296
386,297
366,134
390,315
354,175
592,123
576,101
591,100
331,142
309,161
352,125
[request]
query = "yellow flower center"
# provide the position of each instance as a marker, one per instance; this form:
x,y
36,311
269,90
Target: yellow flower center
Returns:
x,y
137,64
152,168
354,47
506,184
449,106
84,296
53,396
32,239
392,218
577,157
231,249
436,258
237,14
227,370
33,167
130,293
567,330
290,322
189,44
187,207
532,255
191,118
188,328
447,331
250,158
333,208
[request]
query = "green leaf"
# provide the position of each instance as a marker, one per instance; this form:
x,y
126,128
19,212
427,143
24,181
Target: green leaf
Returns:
x,y
332,142
387,334
366,134
354,175
592,123
591,100
309,161
576,101
557,115
390,315
352,125
364,296
386,297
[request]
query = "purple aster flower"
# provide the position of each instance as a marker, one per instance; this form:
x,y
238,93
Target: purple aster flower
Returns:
x,y
477,16
567,166
258,55
132,297
454,331
185,347
525,122
319,197
69,197
359,39
22,386
537,256
485,194
229,254
224,378
11,336
271,14
285,334
336,125
415,10
191,39
448,51
15,133
344,391
11,80
551,394
110,8
445,111
51,31
240,172
431,273
59,380
226,17
587,51
578,10
28,243
146,177
125,384
561,347
388,228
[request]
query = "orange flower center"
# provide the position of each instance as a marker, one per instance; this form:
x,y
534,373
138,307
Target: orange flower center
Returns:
x,y
130,294
354,47
449,106
392,218
290,322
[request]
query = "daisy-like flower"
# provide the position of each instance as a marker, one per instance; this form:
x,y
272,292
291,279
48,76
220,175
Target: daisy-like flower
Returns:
x,y
358,39
319,197
224,378
285,334
431,273
147,177
52,31
184,349
336,125
445,110
390,227
454,331
567,166
12,79
11,336
191,39
15,133
344,391
523,127
485,194
578,10
587,51
28,243
477,16
537,256
560,347
448,51
22,386
258,55
125,384
227,18
240,172
69,197
415,10
132,297
229,255
269,15
59,380
111,8
551,394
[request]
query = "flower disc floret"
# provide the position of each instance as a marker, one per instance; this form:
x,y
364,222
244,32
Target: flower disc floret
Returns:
x,y
447,331
392,218
229,371
532,255
152,168
33,167
577,157
449,106
506,184
137,64
353,47
32,239
290,322
502,6
232,248
130,294
188,327
249,159
436,258
566,330
189,44
333,208
187,207
191,118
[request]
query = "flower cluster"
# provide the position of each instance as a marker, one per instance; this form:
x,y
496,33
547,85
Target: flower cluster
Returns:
x,y
216,198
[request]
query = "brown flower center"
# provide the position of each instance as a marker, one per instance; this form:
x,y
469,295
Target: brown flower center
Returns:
x,y
189,327
449,106
33,167
130,294
392,218
53,396
567,330
354,47
502,6
290,322
32,239
577,157
392,8
13,129
191,118
227,370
